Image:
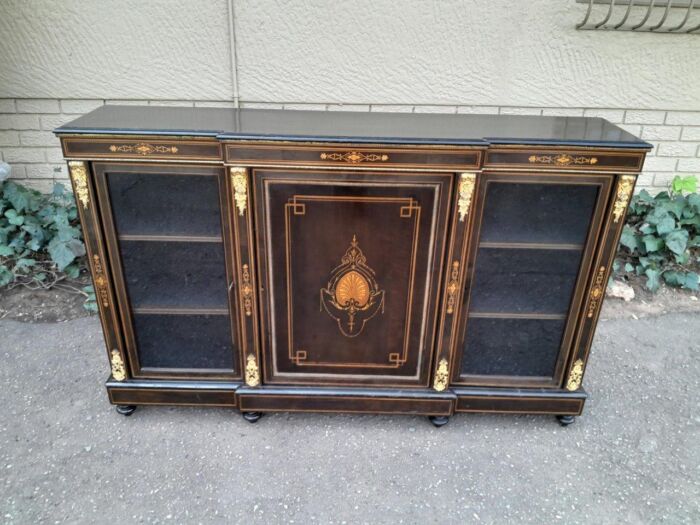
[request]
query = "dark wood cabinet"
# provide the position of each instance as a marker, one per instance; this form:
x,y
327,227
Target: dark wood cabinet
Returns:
x,y
302,261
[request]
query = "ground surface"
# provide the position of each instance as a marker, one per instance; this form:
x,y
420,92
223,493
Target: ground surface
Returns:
x,y
633,457
47,306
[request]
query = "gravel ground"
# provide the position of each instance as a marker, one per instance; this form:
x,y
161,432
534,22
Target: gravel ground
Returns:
x,y
633,457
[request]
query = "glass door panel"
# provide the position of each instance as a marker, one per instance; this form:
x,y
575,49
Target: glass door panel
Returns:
x,y
534,242
166,227
174,274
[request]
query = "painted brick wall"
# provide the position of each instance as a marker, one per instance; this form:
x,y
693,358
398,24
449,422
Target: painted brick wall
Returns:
x,y
29,146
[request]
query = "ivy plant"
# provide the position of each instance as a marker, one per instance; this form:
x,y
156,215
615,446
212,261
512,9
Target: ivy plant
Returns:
x,y
661,237
40,239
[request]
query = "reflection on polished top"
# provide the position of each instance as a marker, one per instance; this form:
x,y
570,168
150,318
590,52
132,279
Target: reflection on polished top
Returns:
x,y
355,127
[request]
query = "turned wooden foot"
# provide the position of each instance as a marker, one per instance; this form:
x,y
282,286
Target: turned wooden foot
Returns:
x,y
125,410
252,417
565,421
439,421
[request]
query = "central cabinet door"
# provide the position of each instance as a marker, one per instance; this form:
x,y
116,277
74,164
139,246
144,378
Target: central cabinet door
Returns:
x,y
350,272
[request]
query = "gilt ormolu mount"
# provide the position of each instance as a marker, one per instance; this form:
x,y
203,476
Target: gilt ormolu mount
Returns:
x,y
285,261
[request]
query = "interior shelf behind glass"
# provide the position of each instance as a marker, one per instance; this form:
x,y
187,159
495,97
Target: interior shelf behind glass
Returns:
x,y
184,341
175,274
158,204
524,281
520,347
549,213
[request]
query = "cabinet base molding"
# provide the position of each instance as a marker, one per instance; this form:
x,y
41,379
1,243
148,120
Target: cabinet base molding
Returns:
x,y
356,400
519,401
172,393
345,400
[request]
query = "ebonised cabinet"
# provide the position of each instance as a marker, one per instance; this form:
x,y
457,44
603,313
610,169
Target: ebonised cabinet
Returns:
x,y
386,263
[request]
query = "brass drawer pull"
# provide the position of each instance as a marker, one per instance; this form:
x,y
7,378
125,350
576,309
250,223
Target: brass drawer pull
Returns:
x,y
355,157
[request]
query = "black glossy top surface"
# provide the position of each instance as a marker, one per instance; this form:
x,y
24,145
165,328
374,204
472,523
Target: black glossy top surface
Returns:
x,y
341,126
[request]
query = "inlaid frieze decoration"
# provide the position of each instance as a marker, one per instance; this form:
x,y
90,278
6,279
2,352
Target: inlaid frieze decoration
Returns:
x,y
352,296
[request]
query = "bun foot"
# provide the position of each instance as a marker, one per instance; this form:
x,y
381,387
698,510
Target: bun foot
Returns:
x,y
565,421
439,421
252,417
125,410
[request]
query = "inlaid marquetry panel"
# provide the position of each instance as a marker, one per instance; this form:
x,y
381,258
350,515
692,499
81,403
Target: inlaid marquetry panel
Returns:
x,y
348,271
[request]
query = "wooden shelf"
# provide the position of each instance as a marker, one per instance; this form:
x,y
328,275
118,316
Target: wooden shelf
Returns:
x,y
170,238
531,246
512,315
154,310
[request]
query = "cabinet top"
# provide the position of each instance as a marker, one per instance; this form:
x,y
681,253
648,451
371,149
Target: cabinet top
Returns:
x,y
353,127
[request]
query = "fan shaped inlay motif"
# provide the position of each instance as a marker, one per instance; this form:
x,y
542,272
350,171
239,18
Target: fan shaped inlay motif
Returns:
x,y
352,296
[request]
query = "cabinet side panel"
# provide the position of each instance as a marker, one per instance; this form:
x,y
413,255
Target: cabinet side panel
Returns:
x,y
595,291
83,188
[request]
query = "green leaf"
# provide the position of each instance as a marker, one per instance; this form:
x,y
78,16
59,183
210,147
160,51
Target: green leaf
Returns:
x,y
629,267
647,228
681,184
653,281
658,214
72,270
666,225
673,278
692,281
652,243
14,217
59,190
6,251
692,221
64,252
90,303
645,196
66,233
694,200
677,241
683,258
628,238
18,196
25,263
6,276
677,205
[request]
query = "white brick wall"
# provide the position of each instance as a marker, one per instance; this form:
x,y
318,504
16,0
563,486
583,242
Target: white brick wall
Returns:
x,y
26,141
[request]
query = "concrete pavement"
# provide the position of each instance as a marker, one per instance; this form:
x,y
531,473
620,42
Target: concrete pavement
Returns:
x,y
633,457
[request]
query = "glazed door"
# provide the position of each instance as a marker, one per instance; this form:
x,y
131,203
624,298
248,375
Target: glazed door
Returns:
x,y
350,274
533,241
166,229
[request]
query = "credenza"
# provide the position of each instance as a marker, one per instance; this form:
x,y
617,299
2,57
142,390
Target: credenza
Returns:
x,y
305,261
